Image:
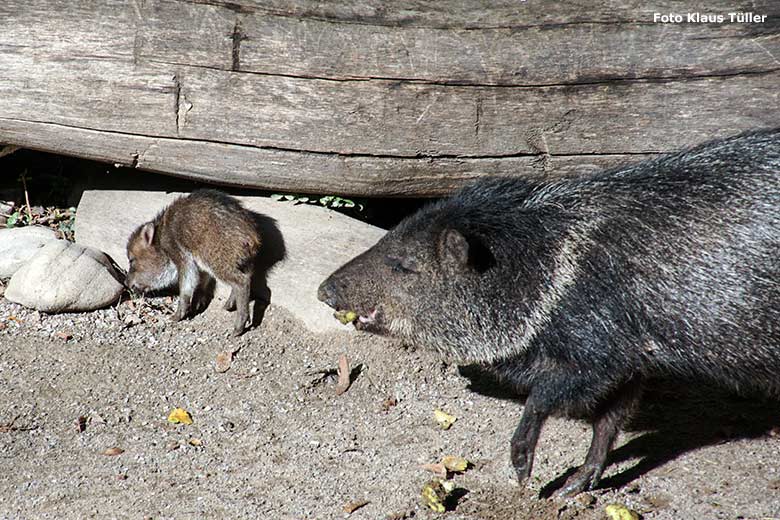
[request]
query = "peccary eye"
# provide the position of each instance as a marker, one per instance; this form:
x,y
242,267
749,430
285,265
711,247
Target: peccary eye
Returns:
x,y
401,265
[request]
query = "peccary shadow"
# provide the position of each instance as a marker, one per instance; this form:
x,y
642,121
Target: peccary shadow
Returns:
x,y
674,418
271,252
679,418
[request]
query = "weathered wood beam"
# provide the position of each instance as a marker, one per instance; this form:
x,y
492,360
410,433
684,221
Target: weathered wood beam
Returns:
x,y
287,170
375,98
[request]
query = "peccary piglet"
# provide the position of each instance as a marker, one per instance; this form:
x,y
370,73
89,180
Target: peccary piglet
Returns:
x,y
205,234
575,291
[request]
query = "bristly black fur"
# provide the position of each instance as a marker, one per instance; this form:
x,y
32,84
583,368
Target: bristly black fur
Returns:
x,y
577,290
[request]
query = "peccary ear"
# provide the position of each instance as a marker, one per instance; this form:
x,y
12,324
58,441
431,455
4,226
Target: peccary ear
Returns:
x,y
462,252
147,233
454,248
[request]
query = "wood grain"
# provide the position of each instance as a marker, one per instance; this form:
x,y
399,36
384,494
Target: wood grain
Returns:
x,y
377,98
285,171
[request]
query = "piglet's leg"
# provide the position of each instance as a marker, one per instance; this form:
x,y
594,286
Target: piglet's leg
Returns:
x,y
605,430
240,292
189,278
526,436
230,304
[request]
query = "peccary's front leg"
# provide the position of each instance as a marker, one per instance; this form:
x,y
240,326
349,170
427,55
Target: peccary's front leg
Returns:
x,y
189,278
230,304
605,430
526,436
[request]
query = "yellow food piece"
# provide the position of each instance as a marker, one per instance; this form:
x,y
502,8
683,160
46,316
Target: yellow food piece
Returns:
x,y
435,492
444,419
454,463
345,317
620,512
179,415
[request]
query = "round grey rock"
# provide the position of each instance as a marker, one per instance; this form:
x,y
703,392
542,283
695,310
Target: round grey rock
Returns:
x,y
17,245
65,277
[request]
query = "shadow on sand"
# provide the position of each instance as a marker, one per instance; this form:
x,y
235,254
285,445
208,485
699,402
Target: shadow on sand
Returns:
x,y
674,417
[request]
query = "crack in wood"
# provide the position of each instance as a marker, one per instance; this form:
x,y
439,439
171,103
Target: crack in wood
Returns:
x,y
362,155
377,21
177,102
237,37
465,84
477,118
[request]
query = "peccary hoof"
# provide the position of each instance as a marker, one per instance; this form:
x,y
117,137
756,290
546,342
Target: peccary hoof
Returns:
x,y
583,480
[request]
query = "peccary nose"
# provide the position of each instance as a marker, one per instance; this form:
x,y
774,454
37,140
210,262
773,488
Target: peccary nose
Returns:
x,y
327,293
130,283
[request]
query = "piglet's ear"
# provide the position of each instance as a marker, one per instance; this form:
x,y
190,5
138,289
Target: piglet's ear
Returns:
x,y
147,233
454,248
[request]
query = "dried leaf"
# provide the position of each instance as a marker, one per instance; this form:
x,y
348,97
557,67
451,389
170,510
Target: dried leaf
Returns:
x,y
223,361
351,507
179,416
195,442
389,403
112,452
64,336
344,382
131,320
455,464
436,469
444,419
81,424
620,512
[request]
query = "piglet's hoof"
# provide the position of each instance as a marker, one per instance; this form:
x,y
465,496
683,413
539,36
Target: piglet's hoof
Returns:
x,y
237,331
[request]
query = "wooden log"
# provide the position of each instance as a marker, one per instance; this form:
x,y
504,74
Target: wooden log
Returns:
x,y
249,166
376,98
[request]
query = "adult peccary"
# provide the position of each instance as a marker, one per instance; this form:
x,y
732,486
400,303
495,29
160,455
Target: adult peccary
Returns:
x,y
577,290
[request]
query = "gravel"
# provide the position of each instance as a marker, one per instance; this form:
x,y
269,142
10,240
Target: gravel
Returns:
x,y
271,439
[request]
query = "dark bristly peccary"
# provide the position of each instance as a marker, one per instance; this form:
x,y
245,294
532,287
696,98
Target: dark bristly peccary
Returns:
x,y
205,234
577,290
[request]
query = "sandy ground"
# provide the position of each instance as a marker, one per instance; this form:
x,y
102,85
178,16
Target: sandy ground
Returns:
x,y
276,442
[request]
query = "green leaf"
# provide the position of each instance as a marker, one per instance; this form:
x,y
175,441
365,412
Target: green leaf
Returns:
x,y
12,220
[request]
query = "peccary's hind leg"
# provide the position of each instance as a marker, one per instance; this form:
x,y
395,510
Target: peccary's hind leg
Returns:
x,y
240,293
525,437
605,430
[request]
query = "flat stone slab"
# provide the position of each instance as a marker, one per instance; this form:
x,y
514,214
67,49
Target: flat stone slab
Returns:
x,y
65,277
18,245
317,242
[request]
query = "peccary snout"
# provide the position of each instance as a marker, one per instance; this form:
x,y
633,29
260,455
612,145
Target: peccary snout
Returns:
x,y
327,293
